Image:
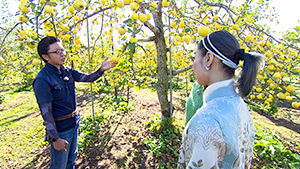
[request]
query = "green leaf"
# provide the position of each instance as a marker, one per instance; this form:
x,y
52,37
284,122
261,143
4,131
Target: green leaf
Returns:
x,y
131,48
125,47
187,30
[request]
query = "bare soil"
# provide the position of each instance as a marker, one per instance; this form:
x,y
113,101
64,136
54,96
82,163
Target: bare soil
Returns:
x,y
120,143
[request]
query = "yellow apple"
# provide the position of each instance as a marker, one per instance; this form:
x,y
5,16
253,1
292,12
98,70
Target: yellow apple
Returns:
x,y
71,58
153,4
289,98
134,6
115,59
121,31
120,4
36,62
24,1
134,16
23,18
23,8
165,3
297,70
295,105
51,33
216,17
181,24
131,84
236,27
269,54
143,17
258,89
203,31
28,66
186,38
276,75
173,24
48,9
133,40
126,2
290,88
79,4
148,16
260,96
281,95
71,9
260,77
77,41
1,60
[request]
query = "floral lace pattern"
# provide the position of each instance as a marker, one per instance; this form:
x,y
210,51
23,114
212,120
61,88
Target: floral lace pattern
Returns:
x,y
220,135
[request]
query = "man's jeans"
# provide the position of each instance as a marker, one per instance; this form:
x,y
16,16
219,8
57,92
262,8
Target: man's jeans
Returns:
x,y
61,160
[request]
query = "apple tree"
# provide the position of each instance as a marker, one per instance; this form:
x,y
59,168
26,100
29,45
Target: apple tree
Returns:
x,y
143,35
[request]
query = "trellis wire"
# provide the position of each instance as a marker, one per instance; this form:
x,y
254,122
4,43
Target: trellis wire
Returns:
x,y
88,41
170,51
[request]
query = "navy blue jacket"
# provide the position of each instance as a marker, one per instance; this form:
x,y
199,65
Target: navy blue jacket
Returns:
x,y
55,93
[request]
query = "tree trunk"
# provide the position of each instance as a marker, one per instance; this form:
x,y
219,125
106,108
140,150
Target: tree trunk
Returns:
x,y
162,69
162,77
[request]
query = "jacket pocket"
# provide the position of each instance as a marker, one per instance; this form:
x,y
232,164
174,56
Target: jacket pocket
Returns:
x,y
59,92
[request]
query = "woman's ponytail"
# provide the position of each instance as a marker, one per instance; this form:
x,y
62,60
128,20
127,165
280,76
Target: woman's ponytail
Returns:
x,y
252,64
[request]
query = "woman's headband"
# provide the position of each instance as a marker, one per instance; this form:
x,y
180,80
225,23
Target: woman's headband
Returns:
x,y
220,56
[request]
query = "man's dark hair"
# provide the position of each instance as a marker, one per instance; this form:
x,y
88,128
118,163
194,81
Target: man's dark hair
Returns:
x,y
44,44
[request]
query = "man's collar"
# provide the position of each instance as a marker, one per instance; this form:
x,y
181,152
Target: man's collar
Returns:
x,y
54,69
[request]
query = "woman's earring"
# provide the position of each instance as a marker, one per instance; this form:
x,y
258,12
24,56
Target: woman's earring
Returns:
x,y
207,68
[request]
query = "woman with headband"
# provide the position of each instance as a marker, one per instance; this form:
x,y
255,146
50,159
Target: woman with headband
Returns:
x,y
221,133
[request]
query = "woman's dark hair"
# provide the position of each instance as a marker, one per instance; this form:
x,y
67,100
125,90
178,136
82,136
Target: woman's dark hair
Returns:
x,y
229,46
43,46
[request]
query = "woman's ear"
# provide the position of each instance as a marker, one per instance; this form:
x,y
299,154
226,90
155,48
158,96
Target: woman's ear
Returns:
x,y
209,59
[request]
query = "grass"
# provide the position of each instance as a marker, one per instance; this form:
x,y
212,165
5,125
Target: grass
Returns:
x,y
21,129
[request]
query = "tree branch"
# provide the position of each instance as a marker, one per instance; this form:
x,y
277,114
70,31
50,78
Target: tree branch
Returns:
x,y
175,72
266,33
142,8
150,39
88,16
8,34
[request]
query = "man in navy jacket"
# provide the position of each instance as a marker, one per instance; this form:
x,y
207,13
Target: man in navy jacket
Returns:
x,y
54,88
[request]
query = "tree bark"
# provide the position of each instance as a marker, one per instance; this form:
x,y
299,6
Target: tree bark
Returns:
x,y
162,69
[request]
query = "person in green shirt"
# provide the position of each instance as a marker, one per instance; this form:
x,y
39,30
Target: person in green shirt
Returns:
x,y
194,102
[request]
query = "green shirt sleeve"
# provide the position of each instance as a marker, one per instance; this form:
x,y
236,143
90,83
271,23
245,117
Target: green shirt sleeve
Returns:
x,y
194,102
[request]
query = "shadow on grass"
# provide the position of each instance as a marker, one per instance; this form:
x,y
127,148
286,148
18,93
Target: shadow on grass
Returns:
x,y
16,119
41,160
279,121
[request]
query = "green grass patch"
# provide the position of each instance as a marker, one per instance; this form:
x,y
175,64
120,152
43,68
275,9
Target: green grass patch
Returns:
x,y
90,127
163,137
271,152
21,130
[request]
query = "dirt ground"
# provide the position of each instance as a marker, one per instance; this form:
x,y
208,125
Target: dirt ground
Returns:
x,y
120,143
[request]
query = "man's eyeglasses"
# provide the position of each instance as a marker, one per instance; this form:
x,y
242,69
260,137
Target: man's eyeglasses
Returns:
x,y
58,51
